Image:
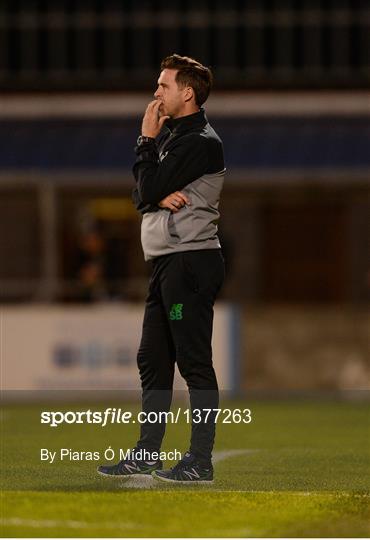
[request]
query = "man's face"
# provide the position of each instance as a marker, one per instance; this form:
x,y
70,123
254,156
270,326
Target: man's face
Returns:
x,y
171,96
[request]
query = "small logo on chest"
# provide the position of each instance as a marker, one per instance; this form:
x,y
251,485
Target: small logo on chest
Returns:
x,y
176,312
163,155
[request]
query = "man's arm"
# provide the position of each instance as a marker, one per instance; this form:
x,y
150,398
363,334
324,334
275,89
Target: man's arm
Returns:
x,y
140,206
185,162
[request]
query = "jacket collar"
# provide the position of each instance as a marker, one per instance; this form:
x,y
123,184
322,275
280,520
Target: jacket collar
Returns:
x,y
188,122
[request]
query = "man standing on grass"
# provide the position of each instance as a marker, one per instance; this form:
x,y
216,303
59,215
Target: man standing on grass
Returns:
x,y
179,172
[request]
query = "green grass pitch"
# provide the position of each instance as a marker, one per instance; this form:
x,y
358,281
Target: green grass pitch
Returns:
x,y
305,472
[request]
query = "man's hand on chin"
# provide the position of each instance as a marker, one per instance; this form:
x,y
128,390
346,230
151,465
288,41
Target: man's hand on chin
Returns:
x,y
152,123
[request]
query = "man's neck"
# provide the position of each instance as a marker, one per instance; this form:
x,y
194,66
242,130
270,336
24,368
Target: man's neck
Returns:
x,y
186,112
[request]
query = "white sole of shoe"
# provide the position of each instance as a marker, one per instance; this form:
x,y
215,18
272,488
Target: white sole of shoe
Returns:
x,y
187,482
125,476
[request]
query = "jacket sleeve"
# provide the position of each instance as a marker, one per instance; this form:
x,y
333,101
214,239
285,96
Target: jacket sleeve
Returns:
x,y
186,161
140,206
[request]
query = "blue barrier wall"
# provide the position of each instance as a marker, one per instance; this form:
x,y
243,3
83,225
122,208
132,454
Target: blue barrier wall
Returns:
x,y
249,143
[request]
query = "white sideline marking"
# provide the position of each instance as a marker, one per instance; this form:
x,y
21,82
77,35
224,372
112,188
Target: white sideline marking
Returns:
x,y
84,524
225,454
139,482
71,524
148,482
49,523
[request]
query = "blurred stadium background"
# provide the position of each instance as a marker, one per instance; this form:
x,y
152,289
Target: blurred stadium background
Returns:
x,y
291,103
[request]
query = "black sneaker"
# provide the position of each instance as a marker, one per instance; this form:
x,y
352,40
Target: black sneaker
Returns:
x,y
130,468
187,471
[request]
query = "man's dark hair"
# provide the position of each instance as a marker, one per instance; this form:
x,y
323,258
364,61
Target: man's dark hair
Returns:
x,y
190,73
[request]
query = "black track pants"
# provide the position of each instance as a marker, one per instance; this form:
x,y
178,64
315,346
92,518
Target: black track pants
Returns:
x,y
177,327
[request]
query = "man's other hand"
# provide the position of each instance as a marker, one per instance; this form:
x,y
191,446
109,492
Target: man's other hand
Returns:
x,y
175,201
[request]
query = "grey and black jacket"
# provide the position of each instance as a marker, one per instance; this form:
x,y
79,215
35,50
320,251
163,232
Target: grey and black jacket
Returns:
x,y
187,155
